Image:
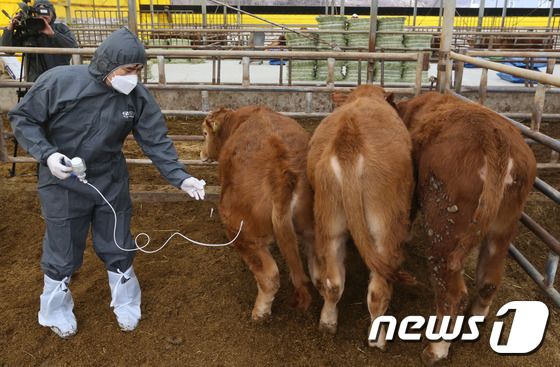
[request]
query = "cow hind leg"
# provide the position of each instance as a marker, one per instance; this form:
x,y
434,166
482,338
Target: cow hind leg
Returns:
x,y
451,297
287,242
379,295
264,268
330,248
303,214
330,245
490,269
332,281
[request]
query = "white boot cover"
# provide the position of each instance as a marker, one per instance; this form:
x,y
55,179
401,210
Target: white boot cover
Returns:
x,y
56,307
125,298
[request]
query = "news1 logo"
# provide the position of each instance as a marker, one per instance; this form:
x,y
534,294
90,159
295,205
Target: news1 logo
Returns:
x,y
526,334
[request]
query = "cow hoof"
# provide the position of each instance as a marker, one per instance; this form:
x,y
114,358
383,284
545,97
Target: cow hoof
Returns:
x,y
260,316
327,328
300,299
429,358
382,346
478,310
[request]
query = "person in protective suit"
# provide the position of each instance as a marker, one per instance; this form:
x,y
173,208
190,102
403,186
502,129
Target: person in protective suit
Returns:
x,y
87,111
53,35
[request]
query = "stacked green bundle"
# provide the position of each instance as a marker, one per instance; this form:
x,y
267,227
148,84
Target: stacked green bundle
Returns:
x,y
323,69
158,42
179,42
331,23
353,68
329,40
393,24
415,42
386,41
392,71
169,41
302,69
360,40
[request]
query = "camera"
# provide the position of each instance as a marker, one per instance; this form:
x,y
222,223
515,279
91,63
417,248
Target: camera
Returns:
x,y
30,23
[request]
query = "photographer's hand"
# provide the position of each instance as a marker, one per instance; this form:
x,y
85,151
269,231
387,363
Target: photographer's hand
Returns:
x,y
48,29
14,22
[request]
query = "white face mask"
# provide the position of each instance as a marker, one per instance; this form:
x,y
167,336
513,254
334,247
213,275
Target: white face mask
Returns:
x,y
125,83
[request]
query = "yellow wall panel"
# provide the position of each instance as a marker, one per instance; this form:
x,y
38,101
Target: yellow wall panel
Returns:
x,y
60,5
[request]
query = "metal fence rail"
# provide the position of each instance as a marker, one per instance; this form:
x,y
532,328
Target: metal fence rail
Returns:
x,y
231,35
245,57
545,281
245,86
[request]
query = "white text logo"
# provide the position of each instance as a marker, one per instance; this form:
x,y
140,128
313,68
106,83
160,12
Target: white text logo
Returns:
x,y
525,335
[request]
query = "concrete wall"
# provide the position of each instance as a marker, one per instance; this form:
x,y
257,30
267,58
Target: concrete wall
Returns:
x,y
296,102
280,101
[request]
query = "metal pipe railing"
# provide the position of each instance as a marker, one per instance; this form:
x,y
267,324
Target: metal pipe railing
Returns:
x,y
523,73
154,52
547,190
541,233
527,54
535,274
545,140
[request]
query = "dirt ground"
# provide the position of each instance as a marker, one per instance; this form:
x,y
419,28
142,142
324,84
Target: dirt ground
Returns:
x,y
196,301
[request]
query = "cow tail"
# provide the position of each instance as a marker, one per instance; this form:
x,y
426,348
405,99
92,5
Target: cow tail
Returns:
x,y
283,182
347,147
496,160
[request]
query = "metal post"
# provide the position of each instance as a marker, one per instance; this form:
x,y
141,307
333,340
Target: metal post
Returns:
x,y
161,70
3,149
538,106
419,69
219,67
205,100
308,102
551,268
550,14
152,13
483,88
225,17
459,76
414,13
444,63
76,59
440,12
204,14
540,93
213,70
330,72
342,5
480,21
69,12
504,14
238,13
132,24
480,15
246,77
281,73
372,35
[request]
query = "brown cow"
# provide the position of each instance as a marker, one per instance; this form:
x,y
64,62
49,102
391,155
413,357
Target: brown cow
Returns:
x,y
360,167
474,174
262,158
